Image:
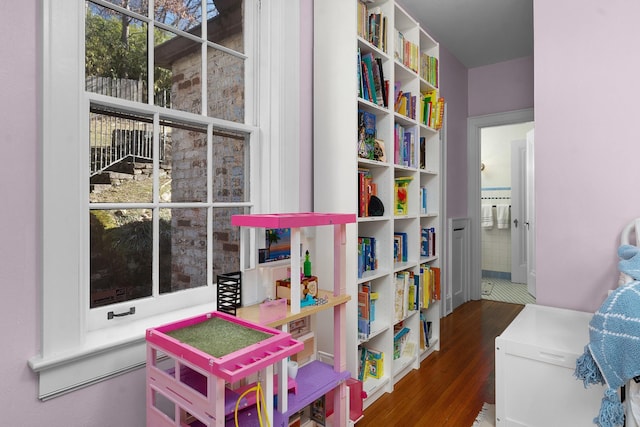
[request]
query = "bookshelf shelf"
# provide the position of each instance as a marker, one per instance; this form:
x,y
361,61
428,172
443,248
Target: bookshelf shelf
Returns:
x,y
400,365
374,388
351,128
377,328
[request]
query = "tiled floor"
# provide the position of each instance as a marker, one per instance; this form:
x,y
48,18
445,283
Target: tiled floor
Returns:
x,y
503,290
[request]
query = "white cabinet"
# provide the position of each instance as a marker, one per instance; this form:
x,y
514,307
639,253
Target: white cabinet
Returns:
x,y
535,361
353,39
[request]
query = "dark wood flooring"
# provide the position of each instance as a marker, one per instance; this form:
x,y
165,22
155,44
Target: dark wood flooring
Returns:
x,y
453,383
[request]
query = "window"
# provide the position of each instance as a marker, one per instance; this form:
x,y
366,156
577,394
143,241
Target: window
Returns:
x,y
156,128
162,186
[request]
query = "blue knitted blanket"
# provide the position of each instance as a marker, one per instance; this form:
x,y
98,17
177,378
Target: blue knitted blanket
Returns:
x,y
612,356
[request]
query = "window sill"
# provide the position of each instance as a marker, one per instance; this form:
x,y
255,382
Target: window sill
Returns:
x,y
104,353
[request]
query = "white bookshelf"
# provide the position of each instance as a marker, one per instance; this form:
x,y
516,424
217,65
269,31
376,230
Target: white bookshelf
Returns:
x,y
336,161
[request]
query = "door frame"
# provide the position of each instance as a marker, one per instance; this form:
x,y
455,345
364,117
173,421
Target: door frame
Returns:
x,y
474,127
518,211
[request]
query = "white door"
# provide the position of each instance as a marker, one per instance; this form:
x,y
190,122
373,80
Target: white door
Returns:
x,y
460,263
531,217
518,211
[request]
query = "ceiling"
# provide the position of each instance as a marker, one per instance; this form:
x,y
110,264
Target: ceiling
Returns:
x,y
477,32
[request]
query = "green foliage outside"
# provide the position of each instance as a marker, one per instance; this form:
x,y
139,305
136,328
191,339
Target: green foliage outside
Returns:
x,y
116,47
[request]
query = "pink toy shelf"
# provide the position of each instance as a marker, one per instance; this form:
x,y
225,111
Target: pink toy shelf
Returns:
x,y
187,378
292,220
317,378
295,221
192,382
233,366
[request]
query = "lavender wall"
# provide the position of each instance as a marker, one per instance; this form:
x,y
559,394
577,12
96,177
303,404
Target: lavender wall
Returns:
x,y
587,144
496,88
116,402
454,88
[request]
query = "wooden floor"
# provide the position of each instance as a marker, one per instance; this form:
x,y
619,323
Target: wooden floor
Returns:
x,y
453,383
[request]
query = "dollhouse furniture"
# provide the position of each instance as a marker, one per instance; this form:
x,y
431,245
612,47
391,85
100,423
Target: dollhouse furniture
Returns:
x,y
188,374
189,363
317,378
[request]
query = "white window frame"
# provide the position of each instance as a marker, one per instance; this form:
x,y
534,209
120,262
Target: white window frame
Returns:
x,y
71,354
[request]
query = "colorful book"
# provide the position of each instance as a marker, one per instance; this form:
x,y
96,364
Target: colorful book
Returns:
x,y
375,362
378,82
368,60
401,195
383,84
364,309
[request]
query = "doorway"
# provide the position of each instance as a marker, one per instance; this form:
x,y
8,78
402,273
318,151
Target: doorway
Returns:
x,y
502,208
474,131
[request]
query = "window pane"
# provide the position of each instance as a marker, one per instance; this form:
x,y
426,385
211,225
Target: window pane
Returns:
x,y
225,86
187,160
138,6
182,14
115,54
225,25
162,76
177,70
129,257
121,255
226,241
230,181
183,249
121,157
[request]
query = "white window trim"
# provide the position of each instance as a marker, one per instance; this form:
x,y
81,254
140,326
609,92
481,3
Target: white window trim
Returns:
x,y
71,356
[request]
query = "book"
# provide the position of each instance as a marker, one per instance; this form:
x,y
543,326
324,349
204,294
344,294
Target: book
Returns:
x,y
423,200
439,114
401,195
383,42
375,363
424,242
377,81
366,135
425,272
399,339
359,69
398,46
373,298
411,298
429,101
436,283
364,320
377,28
364,180
423,335
402,239
429,69
432,241
383,84
368,61
367,258
397,249
364,79
399,297
362,368
363,23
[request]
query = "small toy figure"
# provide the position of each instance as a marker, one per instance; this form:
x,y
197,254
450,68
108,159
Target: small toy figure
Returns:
x,y
307,301
307,265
